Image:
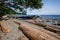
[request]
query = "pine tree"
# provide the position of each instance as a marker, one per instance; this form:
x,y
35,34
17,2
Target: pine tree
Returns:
x,y
18,4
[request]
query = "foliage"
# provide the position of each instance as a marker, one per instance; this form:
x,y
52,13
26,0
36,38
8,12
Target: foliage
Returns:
x,y
34,4
30,3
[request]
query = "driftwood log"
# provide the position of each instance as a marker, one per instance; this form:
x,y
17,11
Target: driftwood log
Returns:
x,y
35,34
49,27
49,33
46,26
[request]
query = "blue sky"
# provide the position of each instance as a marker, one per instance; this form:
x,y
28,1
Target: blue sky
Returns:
x,y
50,7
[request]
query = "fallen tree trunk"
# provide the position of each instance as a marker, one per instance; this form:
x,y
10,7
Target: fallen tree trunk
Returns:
x,y
52,28
50,33
35,34
46,31
46,26
37,23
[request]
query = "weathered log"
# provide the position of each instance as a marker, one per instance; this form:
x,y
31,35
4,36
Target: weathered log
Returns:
x,y
50,33
37,23
35,34
46,26
53,30
46,31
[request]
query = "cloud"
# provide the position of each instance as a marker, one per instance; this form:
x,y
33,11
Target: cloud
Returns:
x,y
50,7
50,10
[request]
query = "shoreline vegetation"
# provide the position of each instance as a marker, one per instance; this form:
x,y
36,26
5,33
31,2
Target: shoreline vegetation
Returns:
x,y
12,28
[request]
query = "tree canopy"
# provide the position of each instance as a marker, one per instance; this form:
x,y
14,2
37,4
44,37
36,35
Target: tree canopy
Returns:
x,y
30,3
18,4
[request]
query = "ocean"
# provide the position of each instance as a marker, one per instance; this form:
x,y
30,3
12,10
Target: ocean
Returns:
x,y
54,17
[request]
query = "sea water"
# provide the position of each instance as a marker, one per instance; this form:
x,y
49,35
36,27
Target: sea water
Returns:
x,y
55,17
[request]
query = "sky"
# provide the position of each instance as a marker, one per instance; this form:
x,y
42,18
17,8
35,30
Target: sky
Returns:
x,y
50,7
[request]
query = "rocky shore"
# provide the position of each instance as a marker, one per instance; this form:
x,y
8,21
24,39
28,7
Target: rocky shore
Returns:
x,y
34,29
